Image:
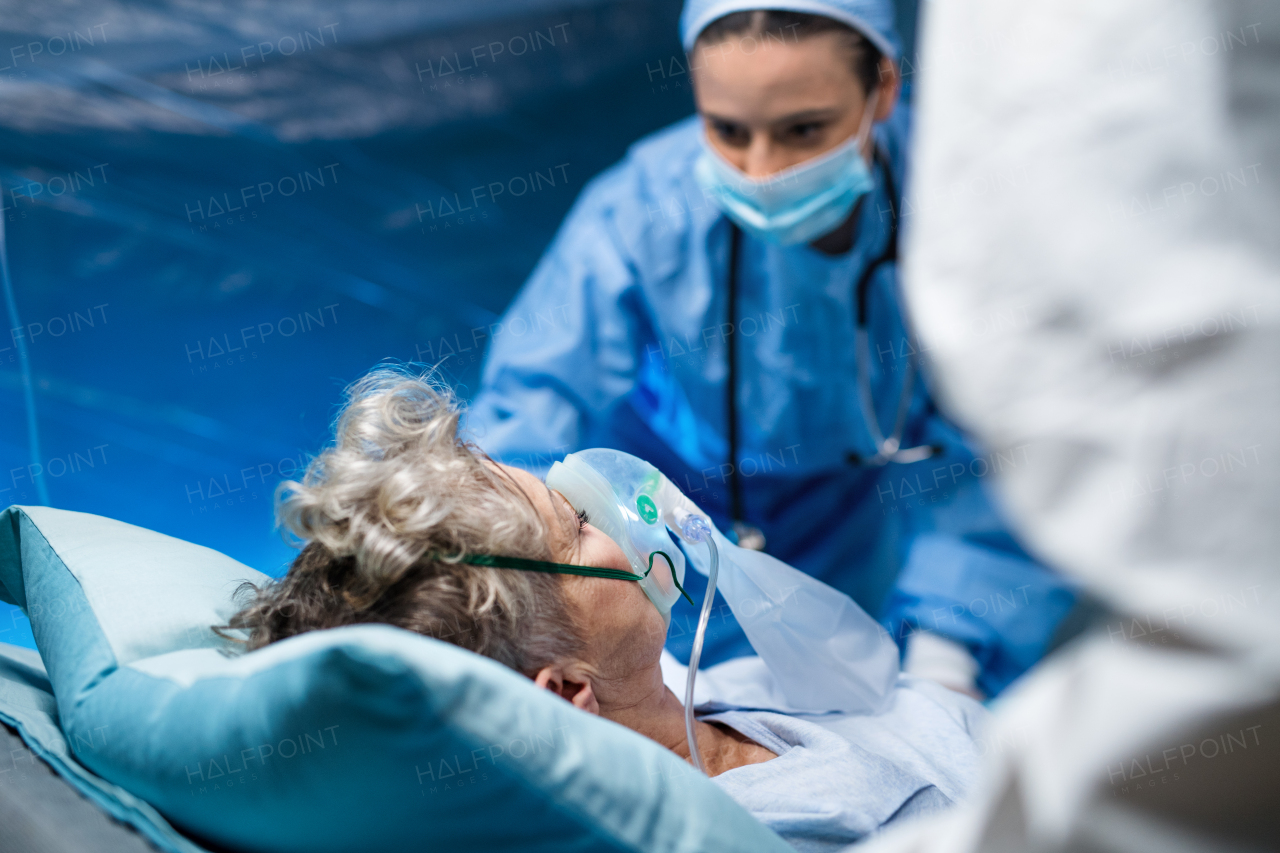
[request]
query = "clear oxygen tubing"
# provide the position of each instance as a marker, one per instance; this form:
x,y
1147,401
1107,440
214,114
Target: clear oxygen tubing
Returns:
x,y
696,654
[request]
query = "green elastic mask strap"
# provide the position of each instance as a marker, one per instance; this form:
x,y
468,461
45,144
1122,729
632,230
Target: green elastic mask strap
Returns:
x,y
675,580
568,569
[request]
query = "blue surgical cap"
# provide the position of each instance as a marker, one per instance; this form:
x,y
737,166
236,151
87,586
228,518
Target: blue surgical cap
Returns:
x,y
872,18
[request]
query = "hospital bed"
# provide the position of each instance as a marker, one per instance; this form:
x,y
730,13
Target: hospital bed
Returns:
x,y
43,813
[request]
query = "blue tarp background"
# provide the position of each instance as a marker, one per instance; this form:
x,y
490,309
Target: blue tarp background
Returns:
x,y
219,214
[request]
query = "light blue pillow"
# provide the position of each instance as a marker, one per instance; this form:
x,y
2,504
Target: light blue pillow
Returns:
x,y
358,738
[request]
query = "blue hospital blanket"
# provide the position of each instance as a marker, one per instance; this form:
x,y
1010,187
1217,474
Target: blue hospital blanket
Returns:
x,y
840,778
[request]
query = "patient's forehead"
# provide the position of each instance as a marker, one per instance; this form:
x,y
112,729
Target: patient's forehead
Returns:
x,y
531,485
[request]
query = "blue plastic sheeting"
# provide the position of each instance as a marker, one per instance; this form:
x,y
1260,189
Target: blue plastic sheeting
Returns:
x,y
217,215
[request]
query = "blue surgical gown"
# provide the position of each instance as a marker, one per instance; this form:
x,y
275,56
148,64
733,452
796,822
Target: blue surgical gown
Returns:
x,y
619,337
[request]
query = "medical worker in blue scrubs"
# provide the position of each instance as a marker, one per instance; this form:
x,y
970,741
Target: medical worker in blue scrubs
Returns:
x,y
724,303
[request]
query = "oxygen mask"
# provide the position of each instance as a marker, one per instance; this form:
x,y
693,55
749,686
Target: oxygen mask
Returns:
x,y
634,504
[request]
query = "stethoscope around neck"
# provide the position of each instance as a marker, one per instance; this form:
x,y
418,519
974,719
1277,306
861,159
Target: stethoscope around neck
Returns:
x,y
887,448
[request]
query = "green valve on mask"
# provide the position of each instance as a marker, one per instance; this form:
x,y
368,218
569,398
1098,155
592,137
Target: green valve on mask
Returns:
x,y
648,511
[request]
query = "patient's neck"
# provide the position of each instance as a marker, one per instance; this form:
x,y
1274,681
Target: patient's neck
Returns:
x,y
643,703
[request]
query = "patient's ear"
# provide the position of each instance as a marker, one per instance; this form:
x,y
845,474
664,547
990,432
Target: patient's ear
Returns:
x,y
569,684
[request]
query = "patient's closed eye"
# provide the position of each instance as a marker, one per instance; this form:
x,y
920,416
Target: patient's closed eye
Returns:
x,y
583,519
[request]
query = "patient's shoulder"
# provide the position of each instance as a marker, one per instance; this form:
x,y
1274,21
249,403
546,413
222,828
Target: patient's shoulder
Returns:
x,y
967,712
823,787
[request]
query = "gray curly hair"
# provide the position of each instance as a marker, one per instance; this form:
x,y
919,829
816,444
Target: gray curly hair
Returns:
x,y
386,515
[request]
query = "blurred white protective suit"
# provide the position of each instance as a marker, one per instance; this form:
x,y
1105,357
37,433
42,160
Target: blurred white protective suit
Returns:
x,y
1094,270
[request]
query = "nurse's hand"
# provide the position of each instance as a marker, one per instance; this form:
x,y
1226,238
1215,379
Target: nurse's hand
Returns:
x,y
945,661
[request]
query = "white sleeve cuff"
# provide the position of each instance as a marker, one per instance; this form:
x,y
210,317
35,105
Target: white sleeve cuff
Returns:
x,y
944,661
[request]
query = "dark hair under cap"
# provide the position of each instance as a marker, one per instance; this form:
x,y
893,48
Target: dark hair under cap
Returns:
x,y
797,26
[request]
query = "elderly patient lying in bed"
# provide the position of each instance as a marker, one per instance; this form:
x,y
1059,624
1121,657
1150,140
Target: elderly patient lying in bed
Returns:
x,y
390,509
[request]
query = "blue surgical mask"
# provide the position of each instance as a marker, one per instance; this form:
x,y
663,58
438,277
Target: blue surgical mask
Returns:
x,y
796,205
